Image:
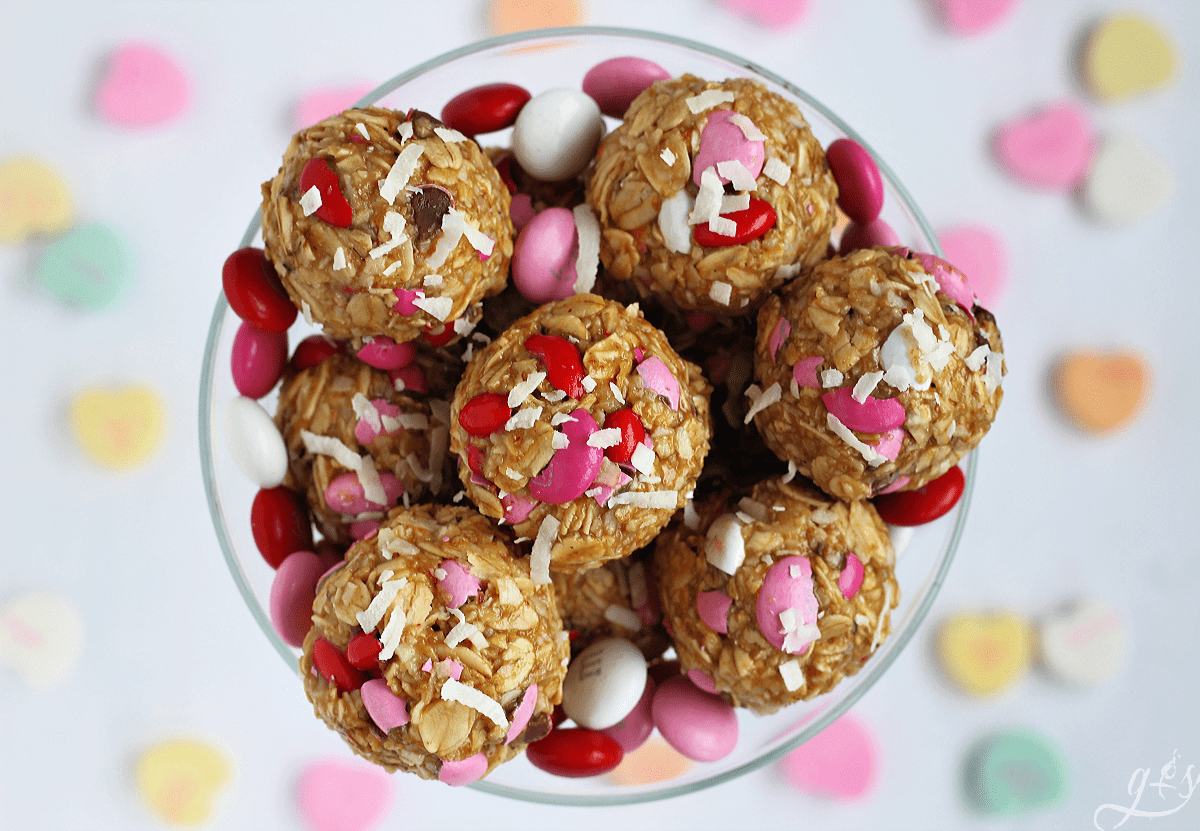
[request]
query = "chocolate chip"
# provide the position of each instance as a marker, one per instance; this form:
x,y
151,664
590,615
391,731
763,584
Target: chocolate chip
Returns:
x,y
429,205
538,728
423,124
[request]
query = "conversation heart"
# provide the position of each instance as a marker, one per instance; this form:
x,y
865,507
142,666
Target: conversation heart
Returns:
x,y
118,428
339,795
1101,391
1127,55
978,252
1050,149
143,87
838,763
33,199
180,779
507,16
984,654
1013,773
41,635
771,14
88,266
655,761
970,17
1082,642
1126,181
322,102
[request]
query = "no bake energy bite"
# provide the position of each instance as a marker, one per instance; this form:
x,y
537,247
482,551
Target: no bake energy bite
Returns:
x,y
431,649
876,373
382,224
777,596
711,194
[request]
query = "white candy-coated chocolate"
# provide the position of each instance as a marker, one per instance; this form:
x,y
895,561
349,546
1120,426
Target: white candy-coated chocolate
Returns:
x,y
556,134
604,683
255,442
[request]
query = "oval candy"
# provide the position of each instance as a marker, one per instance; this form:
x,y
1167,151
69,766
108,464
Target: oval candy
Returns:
x,y
604,683
384,353
722,140
751,223
564,367
484,414
575,752
572,469
280,524
543,261
924,504
363,651
293,590
556,134
331,663
255,443
312,351
616,82
333,207
632,731
860,184
258,360
632,434
875,232
485,109
700,725
254,292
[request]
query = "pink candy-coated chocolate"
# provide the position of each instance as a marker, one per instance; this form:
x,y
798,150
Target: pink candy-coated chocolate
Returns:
x,y
292,592
713,608
543,261
470,769
951,282
521,210
459,583
875,232
700,725
404,301
657,378
412,377
384,353
781,591
723,141
851,577
516,508
778,335
860,184
889,443
872,415
898,485
365,433
632,731
258,360
385,708
608,480
345,494
805,372
614,83
521,715
573,468
702,680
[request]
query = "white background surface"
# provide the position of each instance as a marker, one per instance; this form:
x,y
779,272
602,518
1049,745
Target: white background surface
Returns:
x,y
170,648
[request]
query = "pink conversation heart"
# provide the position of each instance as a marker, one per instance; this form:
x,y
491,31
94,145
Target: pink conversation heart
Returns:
x,y
773,14
338,795
839,762
143,87
970,17
1050,149
318,104
980,254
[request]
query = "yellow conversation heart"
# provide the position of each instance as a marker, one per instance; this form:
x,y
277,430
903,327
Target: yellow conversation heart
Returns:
x,y
33,199
1127,55
179,780
118,429
983,654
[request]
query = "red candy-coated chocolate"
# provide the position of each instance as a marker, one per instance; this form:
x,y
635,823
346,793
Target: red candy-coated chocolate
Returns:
x,y
632,434
333,666
751,223
280,525
254,292
438,337
575,752
484,414
485,109
313,350
924,504
363,651
504,163
334,208
564,368
475,459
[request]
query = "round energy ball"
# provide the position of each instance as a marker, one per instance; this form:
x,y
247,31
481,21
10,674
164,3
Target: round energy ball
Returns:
x,y
382,224
775,597
431,650
582,428
613,600
660,191
873,375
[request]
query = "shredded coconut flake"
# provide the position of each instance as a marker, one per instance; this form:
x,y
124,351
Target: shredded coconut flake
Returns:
x,y
589,383
464,630
673,222
777,170
523,419
369,618
733,203
647,499
554,396
720,292
870,455
587,261
771,395
448,135
470,697
683,445
749,128
708,99
708,199
405,131
561,418
518,394
391,634
831,378
722,225
331,446
643,460
539,557
792,675
616,391
401,171
559,441
393,224
362,130
432,280
439,307
865,386
667,156
736,172
339,259
310,201
608,437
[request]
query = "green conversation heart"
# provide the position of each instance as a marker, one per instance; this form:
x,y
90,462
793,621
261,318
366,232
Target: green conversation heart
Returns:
x,y
1014,772
89,266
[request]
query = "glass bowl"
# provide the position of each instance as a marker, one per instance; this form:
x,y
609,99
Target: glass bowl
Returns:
x,y
525,59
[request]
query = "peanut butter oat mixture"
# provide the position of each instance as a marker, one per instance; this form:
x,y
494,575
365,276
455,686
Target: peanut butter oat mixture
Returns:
x,y
614,600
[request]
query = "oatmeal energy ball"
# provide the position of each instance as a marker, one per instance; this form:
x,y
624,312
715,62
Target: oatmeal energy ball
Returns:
x,y
582,428
434,652
712,194
356,446
380,224
877,373
614,600
778,597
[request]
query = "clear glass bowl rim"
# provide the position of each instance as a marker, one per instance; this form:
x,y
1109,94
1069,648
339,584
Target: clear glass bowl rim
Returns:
x,y
825,717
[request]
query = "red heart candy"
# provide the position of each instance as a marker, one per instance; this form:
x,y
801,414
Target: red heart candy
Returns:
x,y
334,208
751,223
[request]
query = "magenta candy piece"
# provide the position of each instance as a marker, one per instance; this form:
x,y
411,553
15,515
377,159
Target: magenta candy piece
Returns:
x,y
657,378
365,433
293,590
521,210
345,494
572,468
889,443
516,508
778,335
875,232
543,261
470,769
410,377
788,584
872,415
700,725
385,708
608,480
632,731
713,608
898,485
258,360
404,300
521,715
860,184
804,372
613,84
702,680
459,583
364,529
951,282
851,577
384,353
722,141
